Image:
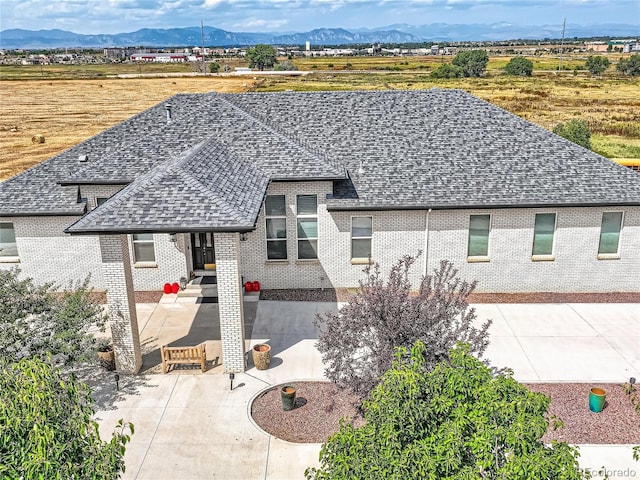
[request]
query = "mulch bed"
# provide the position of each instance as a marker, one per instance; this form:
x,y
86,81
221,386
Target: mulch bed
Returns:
x,y
320,406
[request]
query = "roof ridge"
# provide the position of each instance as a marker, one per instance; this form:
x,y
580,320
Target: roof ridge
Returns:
x,y
287,136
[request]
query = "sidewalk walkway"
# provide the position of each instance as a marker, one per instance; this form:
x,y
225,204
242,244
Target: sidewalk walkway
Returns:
x,y
192,426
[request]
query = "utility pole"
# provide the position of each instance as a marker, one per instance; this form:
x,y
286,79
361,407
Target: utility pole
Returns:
x,y
564,23
204,64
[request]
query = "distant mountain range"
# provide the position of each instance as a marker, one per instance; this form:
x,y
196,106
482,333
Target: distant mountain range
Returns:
x,y
399,33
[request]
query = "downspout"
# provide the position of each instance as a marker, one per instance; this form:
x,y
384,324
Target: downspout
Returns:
x,y
426,244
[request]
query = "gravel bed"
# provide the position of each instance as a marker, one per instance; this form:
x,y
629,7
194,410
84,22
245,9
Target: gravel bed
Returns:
x,y
317,411
343,294
319,407
617,423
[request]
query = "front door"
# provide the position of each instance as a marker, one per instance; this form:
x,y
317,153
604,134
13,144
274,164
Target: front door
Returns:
x,y
204,257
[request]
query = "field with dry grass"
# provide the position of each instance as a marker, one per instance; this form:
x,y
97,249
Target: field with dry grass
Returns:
x,y
66,112
67,108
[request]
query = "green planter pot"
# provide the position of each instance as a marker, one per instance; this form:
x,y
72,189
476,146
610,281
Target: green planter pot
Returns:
x,y
596,399
288,395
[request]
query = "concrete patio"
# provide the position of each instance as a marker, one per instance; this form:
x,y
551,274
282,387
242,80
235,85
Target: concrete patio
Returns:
x,y
192,426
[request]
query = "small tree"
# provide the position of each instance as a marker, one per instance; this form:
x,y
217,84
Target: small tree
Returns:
x,y
47,428
455,422
576,131
472,62
446,70
597,64
519,66
34,321
357,344
262,56
214,67
629,66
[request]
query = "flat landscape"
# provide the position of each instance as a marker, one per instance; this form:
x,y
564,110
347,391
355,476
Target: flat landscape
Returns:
x,y
68,104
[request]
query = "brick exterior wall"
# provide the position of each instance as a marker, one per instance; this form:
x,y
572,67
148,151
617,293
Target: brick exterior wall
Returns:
x,y
116,266
48,255
575,268
230,301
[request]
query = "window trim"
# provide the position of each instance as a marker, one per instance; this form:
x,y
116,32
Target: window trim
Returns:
x,y
143,263
361,260
307,216
479,258
545,257
616,255
11,258
286,230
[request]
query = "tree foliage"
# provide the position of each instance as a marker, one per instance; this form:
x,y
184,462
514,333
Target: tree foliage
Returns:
x,y
262,56
358,343
35,321
597,64
447,70
575,130
472,62
519,66
47,430
214,67
457,421
629,66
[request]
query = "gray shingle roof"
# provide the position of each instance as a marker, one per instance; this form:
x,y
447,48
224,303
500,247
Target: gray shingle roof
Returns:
x,y
384,150
204,189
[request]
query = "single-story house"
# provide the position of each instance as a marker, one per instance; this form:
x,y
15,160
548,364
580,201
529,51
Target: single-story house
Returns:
x,y
299,190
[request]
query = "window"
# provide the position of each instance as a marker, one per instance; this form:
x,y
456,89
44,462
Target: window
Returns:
x,y
307,222
143,250
479,235
276,222
543,232
8,245
361,233
610,233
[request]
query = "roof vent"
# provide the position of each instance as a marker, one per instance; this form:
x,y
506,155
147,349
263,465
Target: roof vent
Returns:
x,y
168,108
83,158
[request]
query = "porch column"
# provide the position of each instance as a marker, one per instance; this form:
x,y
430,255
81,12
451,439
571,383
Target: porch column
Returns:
x,y
230,300
116,267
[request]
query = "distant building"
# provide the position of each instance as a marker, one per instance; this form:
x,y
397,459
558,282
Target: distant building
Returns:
x,y
160,57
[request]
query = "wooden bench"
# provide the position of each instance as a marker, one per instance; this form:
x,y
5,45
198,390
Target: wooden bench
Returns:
x,y
183,356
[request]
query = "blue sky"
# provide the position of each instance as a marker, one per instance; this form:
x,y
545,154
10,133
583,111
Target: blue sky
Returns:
x,y
117,16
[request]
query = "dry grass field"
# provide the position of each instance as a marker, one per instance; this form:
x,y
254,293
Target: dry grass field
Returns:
x,y
67,112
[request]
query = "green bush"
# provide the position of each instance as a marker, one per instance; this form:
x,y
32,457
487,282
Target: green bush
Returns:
x,y
47,429
472,62
458,421
576,131
446,70
629,66
519,66
597,64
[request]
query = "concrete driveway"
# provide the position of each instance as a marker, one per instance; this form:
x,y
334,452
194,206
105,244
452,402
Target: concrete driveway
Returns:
x,y
192,426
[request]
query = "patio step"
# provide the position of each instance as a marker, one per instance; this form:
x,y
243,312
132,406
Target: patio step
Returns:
x,y
197,289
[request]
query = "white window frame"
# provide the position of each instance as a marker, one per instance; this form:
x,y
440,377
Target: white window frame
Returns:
x,y
143,263
307,216
267,217
479,258
10,258
545,256
616,255
361,260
